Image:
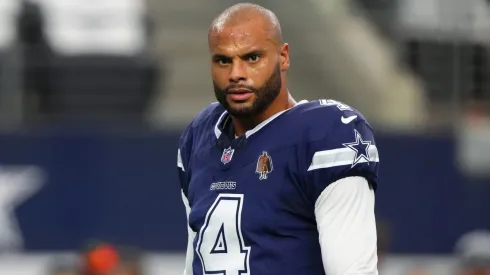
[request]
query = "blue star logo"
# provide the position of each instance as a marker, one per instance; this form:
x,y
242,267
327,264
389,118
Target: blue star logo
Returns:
x,y
361,148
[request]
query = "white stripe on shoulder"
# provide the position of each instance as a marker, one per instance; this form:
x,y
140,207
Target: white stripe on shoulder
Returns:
x,y
179,161
340,157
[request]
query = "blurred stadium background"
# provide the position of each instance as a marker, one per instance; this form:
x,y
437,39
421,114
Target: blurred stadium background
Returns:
x,y
94,93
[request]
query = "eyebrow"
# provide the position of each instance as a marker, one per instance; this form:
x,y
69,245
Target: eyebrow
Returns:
x,y
245,55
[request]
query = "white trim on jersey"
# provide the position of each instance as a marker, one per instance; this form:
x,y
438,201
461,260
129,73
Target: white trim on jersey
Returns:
x,y
346,224
189,258
217,131
179,161
340,157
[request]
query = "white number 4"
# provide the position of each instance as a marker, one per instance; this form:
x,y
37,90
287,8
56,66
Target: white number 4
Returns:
x,y
220,245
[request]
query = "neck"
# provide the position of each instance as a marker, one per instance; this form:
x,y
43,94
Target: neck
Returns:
x,y
283,102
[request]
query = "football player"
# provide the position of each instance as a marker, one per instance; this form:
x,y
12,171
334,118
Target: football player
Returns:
x,y
271,185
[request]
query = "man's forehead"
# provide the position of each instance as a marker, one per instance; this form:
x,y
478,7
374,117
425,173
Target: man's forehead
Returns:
x,y
239,34
245,30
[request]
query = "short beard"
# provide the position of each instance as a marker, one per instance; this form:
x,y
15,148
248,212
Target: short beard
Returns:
x,y
264,96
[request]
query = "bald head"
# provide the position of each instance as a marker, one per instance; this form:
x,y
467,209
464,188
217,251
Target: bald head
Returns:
x,y
245,13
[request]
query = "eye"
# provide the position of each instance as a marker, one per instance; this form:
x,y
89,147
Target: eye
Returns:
x,y
223,61
253,58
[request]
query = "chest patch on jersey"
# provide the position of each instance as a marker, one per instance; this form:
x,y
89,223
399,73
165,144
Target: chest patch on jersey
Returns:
x,y
264,165
227,155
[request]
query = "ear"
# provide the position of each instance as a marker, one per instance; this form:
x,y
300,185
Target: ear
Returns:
x,y
284,57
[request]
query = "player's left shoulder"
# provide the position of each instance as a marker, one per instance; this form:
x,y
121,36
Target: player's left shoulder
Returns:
x,y
331,119
337,142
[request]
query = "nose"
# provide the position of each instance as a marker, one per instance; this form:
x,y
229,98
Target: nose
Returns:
x,y
238,72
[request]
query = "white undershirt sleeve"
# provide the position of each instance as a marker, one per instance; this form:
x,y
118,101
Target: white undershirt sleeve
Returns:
x,y
346,223
190,239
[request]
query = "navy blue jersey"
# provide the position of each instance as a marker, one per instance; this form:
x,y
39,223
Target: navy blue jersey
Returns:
x,y
252,198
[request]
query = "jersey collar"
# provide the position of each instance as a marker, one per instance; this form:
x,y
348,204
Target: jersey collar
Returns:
x,y
218,132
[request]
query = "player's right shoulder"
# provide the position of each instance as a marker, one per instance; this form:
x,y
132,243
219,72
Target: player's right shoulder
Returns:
x,y
200,130
204,120
210,114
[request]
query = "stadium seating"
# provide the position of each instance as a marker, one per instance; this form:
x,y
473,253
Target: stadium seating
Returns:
x,y
93,63
100,87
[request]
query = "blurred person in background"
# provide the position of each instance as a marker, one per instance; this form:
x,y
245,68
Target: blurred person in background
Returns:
x,y
107,259
306,202
473,252
37,56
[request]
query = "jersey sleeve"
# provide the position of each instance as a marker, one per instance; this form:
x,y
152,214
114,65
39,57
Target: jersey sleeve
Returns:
x,y
344,149
346,224
183,156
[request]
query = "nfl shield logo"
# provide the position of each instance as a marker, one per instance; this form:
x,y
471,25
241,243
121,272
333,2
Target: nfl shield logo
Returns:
x,y
227,155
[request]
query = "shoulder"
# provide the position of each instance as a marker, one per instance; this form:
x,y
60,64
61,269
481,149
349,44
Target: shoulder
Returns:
x,y
336,142
198,132
210,114
328,119
204,121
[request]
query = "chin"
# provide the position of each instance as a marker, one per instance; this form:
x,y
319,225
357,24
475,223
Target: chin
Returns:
x,y
240,105
240,110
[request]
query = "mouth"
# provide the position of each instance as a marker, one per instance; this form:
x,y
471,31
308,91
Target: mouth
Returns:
x,y
239,91
239,94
